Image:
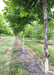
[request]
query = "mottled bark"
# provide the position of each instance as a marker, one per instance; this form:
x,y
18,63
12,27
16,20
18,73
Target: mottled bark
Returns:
x,y
18,37
45,25
0,36
23,37
45,37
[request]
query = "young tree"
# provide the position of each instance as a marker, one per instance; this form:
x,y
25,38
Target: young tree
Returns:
x,y
32,4
45,36
18,17
36,8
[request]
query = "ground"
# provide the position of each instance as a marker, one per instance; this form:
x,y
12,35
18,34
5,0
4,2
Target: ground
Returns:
x,y
31,65
30,62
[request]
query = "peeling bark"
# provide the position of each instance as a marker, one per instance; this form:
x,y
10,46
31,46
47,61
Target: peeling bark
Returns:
x,y
45,36
23,37
18,37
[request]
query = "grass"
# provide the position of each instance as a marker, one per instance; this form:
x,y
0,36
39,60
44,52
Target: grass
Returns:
x,y
4,57
51,52
15,67
4,37
37,48
5,46
8,62
51,41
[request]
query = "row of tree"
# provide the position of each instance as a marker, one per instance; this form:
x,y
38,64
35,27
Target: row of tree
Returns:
x,y
22,12
36,31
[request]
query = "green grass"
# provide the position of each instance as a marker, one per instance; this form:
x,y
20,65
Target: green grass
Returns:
x,y
4,38
8,63
51,52
51,41
6,44
4,57
15,67
37,48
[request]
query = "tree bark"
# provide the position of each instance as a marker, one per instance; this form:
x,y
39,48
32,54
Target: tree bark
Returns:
x,y
45,36
23,37
18,37
0,36
45,25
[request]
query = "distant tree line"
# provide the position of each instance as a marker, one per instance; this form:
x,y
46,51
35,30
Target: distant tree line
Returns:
x,y
4,28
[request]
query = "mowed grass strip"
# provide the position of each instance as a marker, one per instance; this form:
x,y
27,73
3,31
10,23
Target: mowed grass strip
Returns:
x,y
6,44
4,58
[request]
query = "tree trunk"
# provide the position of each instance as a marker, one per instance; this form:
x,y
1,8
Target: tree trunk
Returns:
x,y
45,36
23,37
0,36
18,37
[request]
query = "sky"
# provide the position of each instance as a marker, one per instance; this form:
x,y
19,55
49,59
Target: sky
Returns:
x,y
2,5
52,10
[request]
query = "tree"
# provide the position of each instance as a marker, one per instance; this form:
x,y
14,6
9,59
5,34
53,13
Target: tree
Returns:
x,y
4,29
31,4
30,7
45,36
18,18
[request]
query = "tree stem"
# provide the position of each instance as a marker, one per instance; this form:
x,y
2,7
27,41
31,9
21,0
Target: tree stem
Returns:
x,y
23,37
45,36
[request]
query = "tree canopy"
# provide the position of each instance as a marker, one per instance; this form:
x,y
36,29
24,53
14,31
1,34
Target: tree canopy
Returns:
x,y
4,28
33,7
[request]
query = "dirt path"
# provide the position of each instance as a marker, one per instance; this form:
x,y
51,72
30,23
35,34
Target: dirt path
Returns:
x,y
30,62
